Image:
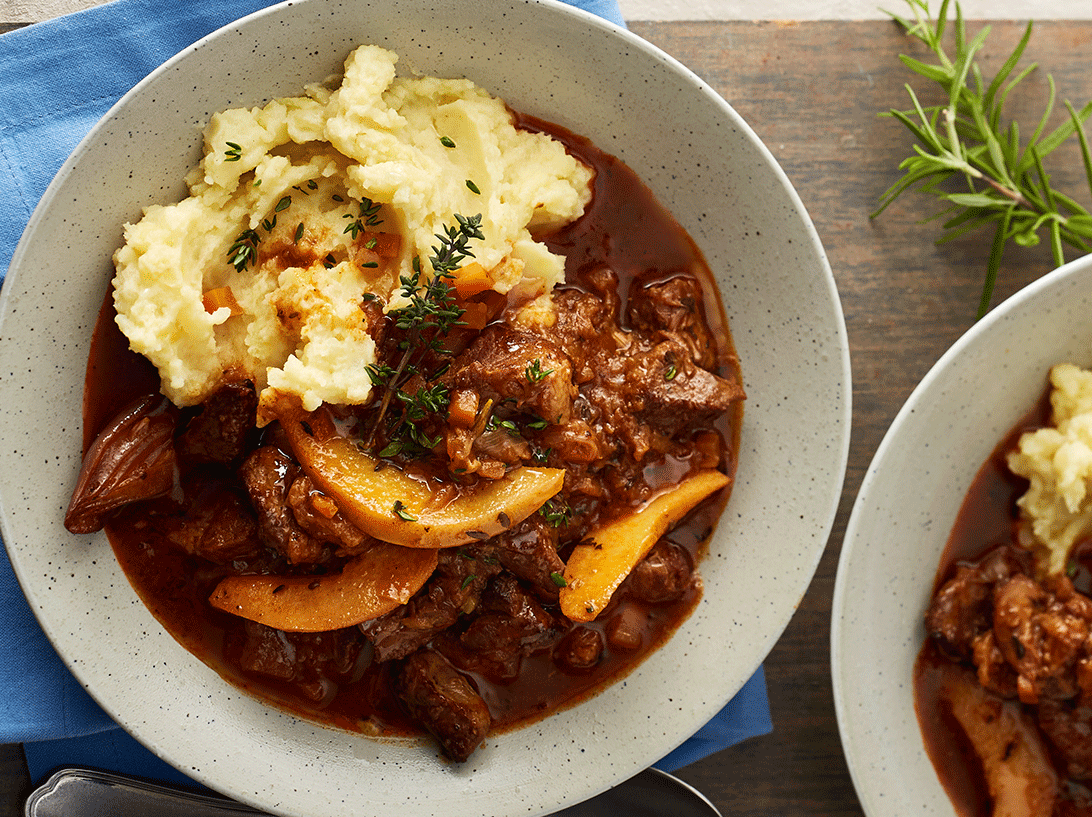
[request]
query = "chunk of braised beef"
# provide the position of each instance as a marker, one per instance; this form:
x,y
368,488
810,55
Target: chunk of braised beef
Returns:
x,y
583,320
665,574
1068,727
268,473
319,515
673,393
266,651
220,429
529,552
637,389
963,607
313,663
527,369
454,590
579,651
644,396
507,596
132,459
489,646
1042,629
218,525
1027,638
602,282
444,701
676,306
511,625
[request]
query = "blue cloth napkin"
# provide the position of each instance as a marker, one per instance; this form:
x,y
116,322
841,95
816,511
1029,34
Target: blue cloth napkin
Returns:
x,y
57,79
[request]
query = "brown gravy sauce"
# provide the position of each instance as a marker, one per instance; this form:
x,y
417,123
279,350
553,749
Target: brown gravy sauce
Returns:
x,y
624,228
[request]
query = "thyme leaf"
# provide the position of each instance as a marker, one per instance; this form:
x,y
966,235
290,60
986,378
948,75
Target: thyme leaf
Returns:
x,y
401,512
556,512
244,251
534,371
368,216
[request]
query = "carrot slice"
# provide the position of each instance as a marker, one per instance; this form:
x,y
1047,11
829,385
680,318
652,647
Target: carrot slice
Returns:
x,y
472,279
219,298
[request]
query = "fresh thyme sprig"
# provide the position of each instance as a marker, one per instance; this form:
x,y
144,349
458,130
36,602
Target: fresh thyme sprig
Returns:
x,y
409,438
1005,184
449,255
431,312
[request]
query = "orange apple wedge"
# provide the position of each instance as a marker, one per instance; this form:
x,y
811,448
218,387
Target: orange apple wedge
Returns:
x,y
392,506
603,560
371,584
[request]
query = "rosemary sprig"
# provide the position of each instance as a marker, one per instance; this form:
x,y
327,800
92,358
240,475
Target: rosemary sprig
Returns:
x,y
1004,183
431,312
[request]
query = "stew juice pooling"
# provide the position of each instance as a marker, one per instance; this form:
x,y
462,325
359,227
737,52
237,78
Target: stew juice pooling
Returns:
x,y
332,677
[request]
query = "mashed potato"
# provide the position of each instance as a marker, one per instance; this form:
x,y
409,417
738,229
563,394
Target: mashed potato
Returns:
x,y
1056,510
300,207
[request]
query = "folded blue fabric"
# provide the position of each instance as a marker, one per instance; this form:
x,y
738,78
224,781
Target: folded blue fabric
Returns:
x,y
56,80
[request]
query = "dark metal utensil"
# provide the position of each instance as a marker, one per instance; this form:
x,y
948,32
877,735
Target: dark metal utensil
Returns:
x,y
87,793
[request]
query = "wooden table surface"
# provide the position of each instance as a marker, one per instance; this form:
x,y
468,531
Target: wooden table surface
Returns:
x,y
813,92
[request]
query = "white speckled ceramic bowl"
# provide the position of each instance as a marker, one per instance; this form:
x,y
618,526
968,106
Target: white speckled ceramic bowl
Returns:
x,y
904,514
547,60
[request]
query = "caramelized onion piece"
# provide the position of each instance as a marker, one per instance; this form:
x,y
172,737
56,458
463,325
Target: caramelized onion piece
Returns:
x,y
388,504
375,582
132,459
599,564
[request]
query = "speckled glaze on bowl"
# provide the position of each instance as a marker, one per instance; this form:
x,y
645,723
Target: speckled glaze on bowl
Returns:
x,y
547,60
969,400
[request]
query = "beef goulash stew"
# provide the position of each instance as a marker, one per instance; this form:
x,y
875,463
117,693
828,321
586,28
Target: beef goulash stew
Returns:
x,y
499,509
1003,684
